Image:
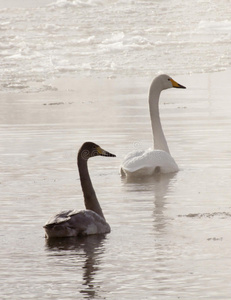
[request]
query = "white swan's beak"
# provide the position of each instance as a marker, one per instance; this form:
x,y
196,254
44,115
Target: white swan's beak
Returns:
x,y
104,152
177,85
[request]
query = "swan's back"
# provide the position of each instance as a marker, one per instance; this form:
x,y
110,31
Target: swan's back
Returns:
x,y
147,162
76,223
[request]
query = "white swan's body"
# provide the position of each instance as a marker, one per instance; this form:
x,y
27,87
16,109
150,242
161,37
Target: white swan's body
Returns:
x,y
145,163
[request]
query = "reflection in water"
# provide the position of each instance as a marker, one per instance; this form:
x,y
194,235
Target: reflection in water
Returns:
x,y
159,184
161,188
93,249
158,187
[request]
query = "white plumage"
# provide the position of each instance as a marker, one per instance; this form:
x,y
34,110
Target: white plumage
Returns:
x,y
147,162
141,163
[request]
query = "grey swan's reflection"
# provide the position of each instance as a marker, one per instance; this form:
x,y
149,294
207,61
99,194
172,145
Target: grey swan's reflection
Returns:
x,y
93,247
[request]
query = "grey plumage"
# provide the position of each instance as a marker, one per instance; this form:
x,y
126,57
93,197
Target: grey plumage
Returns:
x,y
85,222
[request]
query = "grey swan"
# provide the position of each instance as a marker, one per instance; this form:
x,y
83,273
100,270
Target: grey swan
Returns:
x,y
76,223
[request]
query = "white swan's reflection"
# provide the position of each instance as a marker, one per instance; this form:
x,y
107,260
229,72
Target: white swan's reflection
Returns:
x,y
93,248
159,186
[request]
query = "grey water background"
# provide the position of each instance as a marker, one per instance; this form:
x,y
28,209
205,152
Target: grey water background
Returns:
x,y
64,81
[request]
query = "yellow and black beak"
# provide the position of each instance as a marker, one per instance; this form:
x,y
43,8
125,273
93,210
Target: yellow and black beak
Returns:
x,y
104,152
177,85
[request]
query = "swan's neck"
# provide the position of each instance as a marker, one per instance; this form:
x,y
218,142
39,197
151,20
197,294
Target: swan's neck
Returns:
x,y
90,199
158,134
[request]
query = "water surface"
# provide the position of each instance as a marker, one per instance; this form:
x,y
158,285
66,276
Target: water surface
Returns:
x,y
170,235
72,71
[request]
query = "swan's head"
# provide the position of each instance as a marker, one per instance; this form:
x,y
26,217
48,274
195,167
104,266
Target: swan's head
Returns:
x,y
90,149
164,82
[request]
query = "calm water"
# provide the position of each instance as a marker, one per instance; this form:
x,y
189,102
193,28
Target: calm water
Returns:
x,y
170,235
72,71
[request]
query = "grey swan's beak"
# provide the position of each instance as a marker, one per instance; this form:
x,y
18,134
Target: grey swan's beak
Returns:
x,y
103,152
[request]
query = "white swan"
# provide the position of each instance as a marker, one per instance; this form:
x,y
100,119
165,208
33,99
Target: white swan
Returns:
x,y
86,222
146,163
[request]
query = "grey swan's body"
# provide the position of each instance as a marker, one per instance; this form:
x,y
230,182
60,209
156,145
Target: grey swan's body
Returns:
x,y
141,163
86,222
